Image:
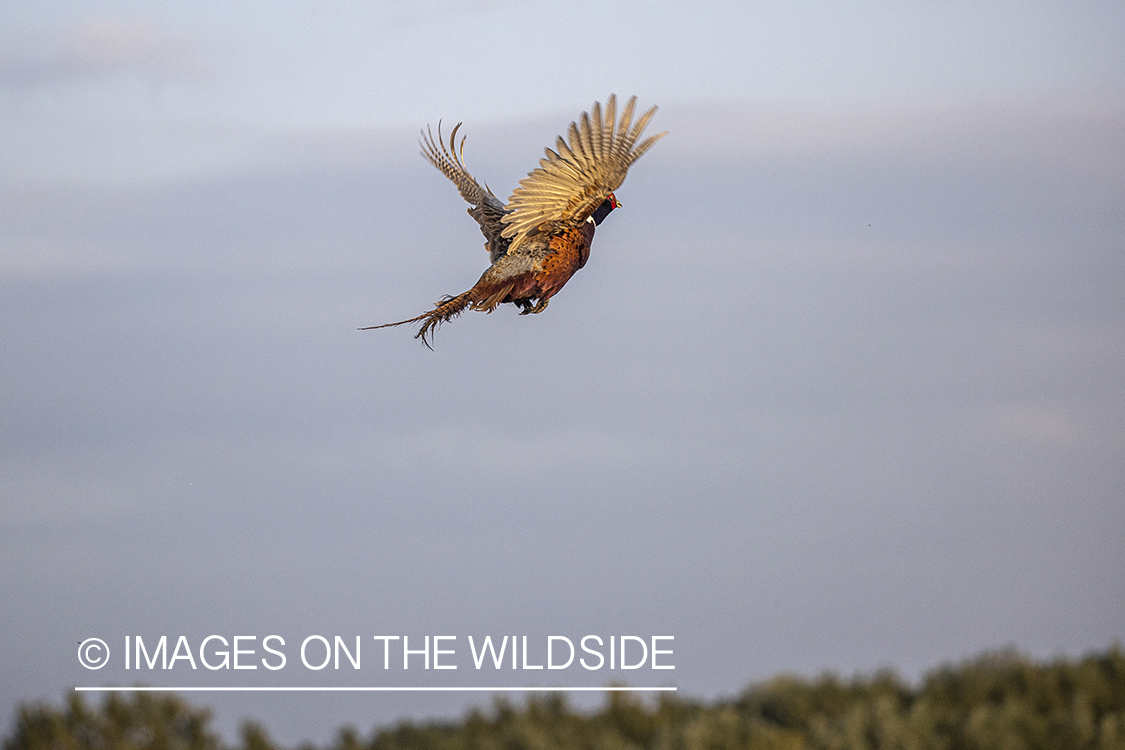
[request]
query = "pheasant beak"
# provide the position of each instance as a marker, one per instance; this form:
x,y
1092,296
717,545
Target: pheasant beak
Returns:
x,y
613,202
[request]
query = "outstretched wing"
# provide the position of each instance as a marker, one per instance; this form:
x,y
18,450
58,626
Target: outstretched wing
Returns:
x,y
486,207
574,180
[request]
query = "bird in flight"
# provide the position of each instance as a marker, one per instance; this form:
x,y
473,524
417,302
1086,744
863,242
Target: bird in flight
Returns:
x,y
542,236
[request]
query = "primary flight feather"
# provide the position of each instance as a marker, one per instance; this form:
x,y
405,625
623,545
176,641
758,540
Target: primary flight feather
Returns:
x,y
542,236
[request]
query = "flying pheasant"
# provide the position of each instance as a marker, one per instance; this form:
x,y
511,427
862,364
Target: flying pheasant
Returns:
x,y
542,236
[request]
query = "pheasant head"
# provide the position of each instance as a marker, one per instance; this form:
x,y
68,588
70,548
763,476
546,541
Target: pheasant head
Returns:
x,y
603,210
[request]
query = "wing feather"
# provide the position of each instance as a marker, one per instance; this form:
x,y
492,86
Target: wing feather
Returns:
x,y
579,173
486,207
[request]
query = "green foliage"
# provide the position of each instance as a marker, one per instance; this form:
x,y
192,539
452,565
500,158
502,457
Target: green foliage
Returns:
x,y
999,701
143,722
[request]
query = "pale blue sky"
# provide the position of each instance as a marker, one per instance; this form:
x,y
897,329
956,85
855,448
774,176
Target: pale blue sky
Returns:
x,y
138,89
839,388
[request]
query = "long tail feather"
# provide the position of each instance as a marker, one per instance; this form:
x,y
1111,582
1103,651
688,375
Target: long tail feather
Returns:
x,y
445,310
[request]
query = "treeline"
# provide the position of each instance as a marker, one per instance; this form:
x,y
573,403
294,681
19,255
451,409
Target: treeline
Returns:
x,y
999,701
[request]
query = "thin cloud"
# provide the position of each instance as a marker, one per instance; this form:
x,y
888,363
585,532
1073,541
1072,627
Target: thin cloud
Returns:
x,y
97,48
401,13
460,449
1032,423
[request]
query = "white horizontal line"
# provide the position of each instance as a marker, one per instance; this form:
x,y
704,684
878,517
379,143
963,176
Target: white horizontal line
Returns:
x,y
381,689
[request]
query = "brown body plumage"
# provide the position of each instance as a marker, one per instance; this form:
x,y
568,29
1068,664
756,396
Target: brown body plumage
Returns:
x,y
542,236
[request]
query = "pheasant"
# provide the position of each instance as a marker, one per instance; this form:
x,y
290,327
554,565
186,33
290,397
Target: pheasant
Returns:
x,y
542,236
